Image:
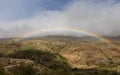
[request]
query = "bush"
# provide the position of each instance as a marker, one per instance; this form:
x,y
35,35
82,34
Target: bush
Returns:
x,y
23,69
46,58
1,55
93,72
2,71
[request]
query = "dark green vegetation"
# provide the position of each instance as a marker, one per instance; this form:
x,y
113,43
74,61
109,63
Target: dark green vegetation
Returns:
x,y
51,60
59,56
28,69
2,71
23,69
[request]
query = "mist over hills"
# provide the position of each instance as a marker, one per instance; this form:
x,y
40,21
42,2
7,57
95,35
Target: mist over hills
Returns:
x,y
61,36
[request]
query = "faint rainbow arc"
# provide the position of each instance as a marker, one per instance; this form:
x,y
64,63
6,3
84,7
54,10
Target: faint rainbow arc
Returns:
x,y
65,29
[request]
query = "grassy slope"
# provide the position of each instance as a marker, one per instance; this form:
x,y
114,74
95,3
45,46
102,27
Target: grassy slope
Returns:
x,y
54,54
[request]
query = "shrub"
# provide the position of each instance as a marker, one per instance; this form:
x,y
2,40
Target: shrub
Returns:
x,y
23,69
46,58
1,55
2,71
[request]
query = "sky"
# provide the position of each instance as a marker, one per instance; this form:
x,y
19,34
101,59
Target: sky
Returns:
x,y
18,17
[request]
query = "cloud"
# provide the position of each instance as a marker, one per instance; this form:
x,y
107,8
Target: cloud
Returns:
x,y
99,17
17,9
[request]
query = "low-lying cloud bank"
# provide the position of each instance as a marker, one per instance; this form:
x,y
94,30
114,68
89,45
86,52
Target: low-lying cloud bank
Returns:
x,y
102,18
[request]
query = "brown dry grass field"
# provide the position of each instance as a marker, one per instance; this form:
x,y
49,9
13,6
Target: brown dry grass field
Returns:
x,y
57,55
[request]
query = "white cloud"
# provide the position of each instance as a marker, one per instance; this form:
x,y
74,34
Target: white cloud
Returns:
x,y
99,17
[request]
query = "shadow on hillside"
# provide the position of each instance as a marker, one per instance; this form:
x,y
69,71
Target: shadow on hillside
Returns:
x,y
56,64
29,70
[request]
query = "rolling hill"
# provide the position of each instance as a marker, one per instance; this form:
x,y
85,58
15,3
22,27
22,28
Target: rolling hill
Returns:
x,y
54,54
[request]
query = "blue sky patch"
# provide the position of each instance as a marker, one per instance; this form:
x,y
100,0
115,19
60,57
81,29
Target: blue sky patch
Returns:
x,y
17,9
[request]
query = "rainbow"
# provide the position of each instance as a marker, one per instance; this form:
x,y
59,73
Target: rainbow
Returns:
x,y
76,30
